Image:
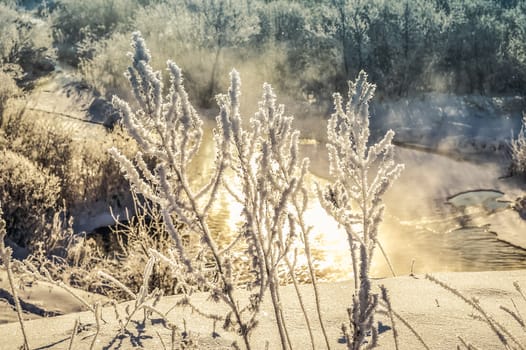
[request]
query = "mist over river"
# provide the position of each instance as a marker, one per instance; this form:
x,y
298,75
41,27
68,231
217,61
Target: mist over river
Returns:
x,y
421,232
421,227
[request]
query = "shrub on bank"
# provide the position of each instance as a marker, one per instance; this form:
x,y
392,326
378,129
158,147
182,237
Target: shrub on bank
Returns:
x,y
29,196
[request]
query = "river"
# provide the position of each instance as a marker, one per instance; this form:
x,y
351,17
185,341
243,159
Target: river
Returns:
x,y
422,231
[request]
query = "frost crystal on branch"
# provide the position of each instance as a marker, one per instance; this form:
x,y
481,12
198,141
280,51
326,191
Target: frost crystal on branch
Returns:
x,y
265,159
362,174
169,132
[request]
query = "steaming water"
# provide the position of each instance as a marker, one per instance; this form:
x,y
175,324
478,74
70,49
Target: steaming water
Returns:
x,y
418,227
439,243
450,249
422,231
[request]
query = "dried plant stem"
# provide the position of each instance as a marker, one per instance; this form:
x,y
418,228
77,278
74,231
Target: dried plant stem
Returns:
x,y
386,257
290,266
98,314
174,333
73,334
285,329
305,231
504,330
412,273
117,283
161,340
276,303
519,289
354,259
5,254
516,315
6,257
387,301
72,293
408,325
468,346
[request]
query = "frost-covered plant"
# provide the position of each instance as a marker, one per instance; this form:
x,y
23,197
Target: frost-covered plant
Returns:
x,y
141,298
85,172
49,146
362,174
265,159
504,335
131,241
518,150
169,131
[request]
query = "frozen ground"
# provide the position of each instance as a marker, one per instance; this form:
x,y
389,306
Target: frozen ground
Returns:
x,y
437,315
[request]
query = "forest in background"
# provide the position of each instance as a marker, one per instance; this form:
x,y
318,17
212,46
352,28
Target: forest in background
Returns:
x,y
306,49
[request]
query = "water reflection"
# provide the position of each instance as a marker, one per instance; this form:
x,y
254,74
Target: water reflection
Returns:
x,y
419,224
456,249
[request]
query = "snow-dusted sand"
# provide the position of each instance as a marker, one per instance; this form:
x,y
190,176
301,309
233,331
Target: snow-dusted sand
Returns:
x,y
41,299
437,315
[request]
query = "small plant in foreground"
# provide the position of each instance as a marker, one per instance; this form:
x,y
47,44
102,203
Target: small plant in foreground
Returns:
x,y
169,131
5,256
362,173
504,335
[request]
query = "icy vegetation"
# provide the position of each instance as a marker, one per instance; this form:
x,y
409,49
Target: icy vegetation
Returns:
x,y
362,173
127,192
265,158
